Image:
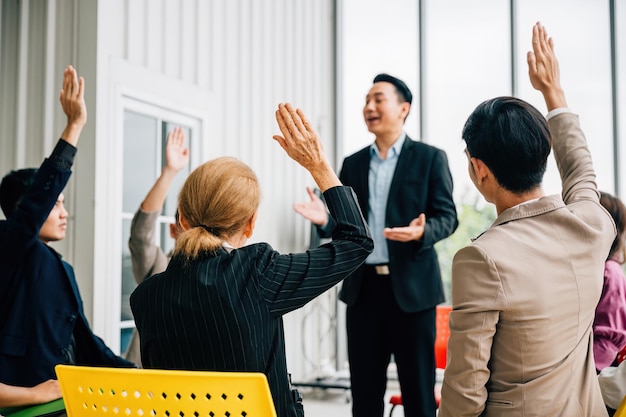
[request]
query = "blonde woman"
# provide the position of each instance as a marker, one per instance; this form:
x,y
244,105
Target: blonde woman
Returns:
x,y
219,304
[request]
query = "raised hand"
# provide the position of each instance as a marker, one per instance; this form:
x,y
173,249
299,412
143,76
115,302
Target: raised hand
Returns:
x,y
543,68
176,158
299,139
303,145
176,153
313,210
72,100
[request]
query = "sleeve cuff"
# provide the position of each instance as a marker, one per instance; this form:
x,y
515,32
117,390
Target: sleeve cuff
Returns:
x,y
63,155
557,111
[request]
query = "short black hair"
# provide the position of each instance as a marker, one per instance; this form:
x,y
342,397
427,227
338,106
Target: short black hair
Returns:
x,y
13,187
401,88
512,138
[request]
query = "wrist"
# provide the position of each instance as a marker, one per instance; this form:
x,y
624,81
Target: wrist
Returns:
x,y
324,176
72,132
169,172
554,98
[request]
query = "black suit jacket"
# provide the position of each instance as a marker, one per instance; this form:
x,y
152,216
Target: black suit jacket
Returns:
x,y
223,311
40,305
421,183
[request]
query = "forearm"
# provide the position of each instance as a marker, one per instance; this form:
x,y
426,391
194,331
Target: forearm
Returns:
x,y
554,98
324,176
33,209
295,279
72,132
326,230
573,158
145,254
158,193
12,396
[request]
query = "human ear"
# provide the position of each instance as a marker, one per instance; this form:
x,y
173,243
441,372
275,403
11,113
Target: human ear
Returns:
x,y
183,221
249,228
481,170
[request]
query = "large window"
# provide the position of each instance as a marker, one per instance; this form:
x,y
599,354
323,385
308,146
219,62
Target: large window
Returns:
x,y
454,54
583,47
145,133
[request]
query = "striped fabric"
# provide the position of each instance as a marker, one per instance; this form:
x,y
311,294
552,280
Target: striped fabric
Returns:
x,y
224,312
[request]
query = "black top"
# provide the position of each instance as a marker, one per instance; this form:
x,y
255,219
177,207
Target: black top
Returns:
x,y
223,312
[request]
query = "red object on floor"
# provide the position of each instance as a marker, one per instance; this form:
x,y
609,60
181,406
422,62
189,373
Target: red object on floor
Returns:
x,y
441,351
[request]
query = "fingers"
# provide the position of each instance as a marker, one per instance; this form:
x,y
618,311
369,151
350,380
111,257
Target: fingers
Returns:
x,y
176,153
542,44
292,122
280,140
286,117
81,87
532,62
282,116
66,84
311,193
305,122
176,137
419,221
72,87
295,115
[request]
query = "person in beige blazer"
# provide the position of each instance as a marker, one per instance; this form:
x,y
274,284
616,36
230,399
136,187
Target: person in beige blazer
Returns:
x,y
524,292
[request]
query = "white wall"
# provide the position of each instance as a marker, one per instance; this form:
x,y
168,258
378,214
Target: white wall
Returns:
x,y
229,62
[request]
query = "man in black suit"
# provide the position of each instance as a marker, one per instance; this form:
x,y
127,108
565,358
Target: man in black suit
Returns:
x,y
405,187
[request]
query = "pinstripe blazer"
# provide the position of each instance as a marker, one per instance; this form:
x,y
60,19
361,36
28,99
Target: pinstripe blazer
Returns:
x,y
223,312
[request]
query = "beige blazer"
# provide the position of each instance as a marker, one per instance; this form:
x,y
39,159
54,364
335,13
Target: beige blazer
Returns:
x,y
524,295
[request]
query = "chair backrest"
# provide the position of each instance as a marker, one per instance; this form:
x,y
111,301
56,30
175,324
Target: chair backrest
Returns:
x,y
443,334
96,391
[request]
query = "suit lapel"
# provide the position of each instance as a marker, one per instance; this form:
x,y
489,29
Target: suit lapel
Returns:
x,y
404,161
361,185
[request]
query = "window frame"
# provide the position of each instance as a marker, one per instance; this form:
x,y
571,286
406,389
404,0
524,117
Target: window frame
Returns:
x,y
137,87
165,119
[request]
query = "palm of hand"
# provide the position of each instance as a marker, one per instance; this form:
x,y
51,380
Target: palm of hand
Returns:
x,y
314,211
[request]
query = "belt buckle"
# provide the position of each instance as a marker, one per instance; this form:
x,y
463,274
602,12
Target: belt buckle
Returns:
x,y
382,269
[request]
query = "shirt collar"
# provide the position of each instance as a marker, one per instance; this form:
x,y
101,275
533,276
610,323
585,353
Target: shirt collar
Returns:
x,y
227,246
395,148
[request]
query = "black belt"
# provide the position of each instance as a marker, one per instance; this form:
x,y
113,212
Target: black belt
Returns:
x,y
382,269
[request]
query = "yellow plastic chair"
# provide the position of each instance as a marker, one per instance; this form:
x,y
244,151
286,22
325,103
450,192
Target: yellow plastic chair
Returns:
x,y
92,391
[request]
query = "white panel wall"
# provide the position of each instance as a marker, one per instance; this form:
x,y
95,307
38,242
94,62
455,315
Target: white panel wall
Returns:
x,y
249,55
231,62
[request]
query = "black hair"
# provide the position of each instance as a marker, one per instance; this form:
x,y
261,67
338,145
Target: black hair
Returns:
x,y
512,138
401,88
13,187
616,209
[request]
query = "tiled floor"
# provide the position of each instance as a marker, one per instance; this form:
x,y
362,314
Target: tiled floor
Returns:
x,y
336,402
